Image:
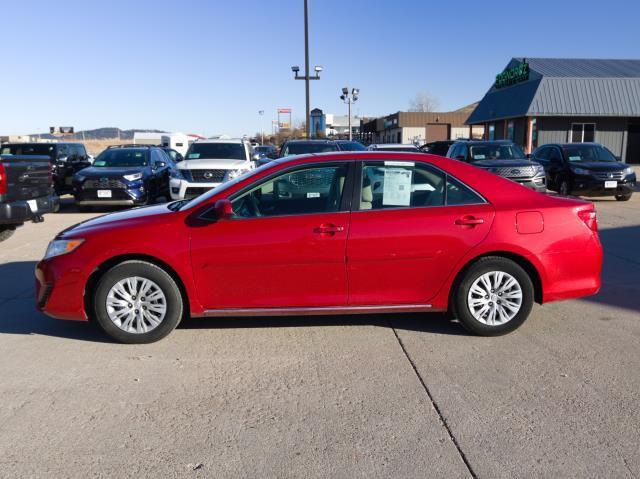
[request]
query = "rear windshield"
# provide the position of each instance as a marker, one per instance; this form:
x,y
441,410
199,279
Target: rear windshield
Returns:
x,y
304,148
216,151
496,152
352,146
40,149
117,158
579,153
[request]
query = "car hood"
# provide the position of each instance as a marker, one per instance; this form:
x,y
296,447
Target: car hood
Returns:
x,y
600,165
120,218
221,164
98,172
503,163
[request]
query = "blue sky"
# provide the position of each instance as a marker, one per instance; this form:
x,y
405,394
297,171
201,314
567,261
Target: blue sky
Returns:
x,y
208,66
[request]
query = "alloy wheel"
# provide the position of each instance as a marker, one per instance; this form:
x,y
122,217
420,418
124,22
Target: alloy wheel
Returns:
x,y
495,298
136,305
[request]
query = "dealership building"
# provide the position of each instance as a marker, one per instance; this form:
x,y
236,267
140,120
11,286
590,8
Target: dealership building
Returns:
x,y
550,100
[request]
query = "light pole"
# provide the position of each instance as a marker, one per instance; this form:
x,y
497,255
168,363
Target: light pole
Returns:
x,y
307,77
350,98
261,113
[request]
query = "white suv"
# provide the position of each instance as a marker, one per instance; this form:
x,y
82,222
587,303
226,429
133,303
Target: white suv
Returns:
x,y
209,163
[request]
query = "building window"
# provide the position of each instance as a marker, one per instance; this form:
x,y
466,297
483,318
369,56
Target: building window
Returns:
x,y
582,132
492,131
511,131
534,133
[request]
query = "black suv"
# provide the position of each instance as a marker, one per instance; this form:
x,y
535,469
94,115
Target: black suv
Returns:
x,y
350,145
502,157
439,148
66,159
587,169
26,191
304,147
124,175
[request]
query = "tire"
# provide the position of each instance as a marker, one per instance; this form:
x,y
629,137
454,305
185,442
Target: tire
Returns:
x,y
625,197
564,189
130,325
6,232
463,298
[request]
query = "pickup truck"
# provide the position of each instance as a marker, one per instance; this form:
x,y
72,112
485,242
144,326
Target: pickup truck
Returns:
x,y
26,191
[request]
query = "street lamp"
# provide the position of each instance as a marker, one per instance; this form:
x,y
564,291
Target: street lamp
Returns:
x,y
261,113
349,99
306,77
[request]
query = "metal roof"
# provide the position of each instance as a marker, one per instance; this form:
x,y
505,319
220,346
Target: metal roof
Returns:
x,y
566,87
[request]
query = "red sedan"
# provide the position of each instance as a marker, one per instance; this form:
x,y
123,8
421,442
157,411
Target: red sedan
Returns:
x,y
340,233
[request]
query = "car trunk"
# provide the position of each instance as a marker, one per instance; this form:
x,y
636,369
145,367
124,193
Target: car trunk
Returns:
x,y
27,177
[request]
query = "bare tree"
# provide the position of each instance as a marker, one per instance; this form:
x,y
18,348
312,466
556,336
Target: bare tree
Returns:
x,y
423,101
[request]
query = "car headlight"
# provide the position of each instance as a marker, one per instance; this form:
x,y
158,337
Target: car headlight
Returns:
x,y
628,171
581,171
177,174
133,177
232,174
60,247
539,169
80,178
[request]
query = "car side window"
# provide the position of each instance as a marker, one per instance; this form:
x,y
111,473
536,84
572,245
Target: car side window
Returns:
x,y
463,152
542,155
555,155
459,194
454,151
398,184
303,191
63,150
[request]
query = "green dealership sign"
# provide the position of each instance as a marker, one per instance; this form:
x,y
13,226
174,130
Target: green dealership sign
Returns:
x,y
513,75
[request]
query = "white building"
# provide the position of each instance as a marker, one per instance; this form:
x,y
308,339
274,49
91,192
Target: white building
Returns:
x,y
339,124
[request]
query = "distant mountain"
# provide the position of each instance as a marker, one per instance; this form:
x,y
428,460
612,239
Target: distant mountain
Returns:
x,y
106,133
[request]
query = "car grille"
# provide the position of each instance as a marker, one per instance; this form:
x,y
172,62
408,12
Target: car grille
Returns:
x,y
104,184
609,175
206,176
312,178
193,192
515,171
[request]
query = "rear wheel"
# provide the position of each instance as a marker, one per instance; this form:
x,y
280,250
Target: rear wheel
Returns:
x,y
137,302
625,197
494,297
6,232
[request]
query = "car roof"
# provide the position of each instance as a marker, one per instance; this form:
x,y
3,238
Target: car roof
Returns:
x,y
486,142
311,140
222,140
394,145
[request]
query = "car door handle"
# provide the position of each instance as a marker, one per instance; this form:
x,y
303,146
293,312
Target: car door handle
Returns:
x,y
469,221
328,229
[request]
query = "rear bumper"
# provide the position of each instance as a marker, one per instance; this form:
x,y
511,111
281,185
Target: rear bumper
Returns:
x,y
18,212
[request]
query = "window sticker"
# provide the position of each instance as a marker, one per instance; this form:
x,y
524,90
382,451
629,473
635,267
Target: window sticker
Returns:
x,y
313,195
99,163
479,157
422,187
397,187
399,163
193,156
575,158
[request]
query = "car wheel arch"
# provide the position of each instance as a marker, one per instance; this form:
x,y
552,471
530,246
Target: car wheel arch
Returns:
x,y
105,266
520,260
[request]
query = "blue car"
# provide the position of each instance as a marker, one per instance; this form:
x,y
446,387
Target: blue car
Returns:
x,y
127,175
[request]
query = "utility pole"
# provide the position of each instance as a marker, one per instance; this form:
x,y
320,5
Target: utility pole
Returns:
x,y
261,113
350,98
307,77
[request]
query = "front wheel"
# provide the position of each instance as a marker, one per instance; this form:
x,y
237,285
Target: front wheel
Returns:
x,y
494,297
137,302
565,189
6,232
625,197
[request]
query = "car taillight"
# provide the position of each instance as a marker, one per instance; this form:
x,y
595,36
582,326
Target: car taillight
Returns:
x,y
590,219
3,180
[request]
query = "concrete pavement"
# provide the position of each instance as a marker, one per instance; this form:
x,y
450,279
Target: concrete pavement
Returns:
x,y
378,396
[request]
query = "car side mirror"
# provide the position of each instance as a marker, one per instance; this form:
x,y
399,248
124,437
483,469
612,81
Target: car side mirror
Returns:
x,y
223,209
256,157
161,164
63,159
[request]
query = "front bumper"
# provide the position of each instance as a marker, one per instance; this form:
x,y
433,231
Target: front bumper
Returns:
x,y
60,289
133,196
183,189
18,212
536,183
587,186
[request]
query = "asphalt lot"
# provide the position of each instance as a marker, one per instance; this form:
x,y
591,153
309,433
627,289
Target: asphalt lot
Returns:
x,y
378,396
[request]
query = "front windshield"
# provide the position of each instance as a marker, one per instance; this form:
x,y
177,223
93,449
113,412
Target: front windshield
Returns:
x,y
216,151
223,186
578,153
352,146
496,152
305,148
41,149
118,158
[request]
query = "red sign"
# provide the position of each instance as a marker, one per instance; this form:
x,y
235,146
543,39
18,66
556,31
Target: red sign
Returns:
x,y
284,110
